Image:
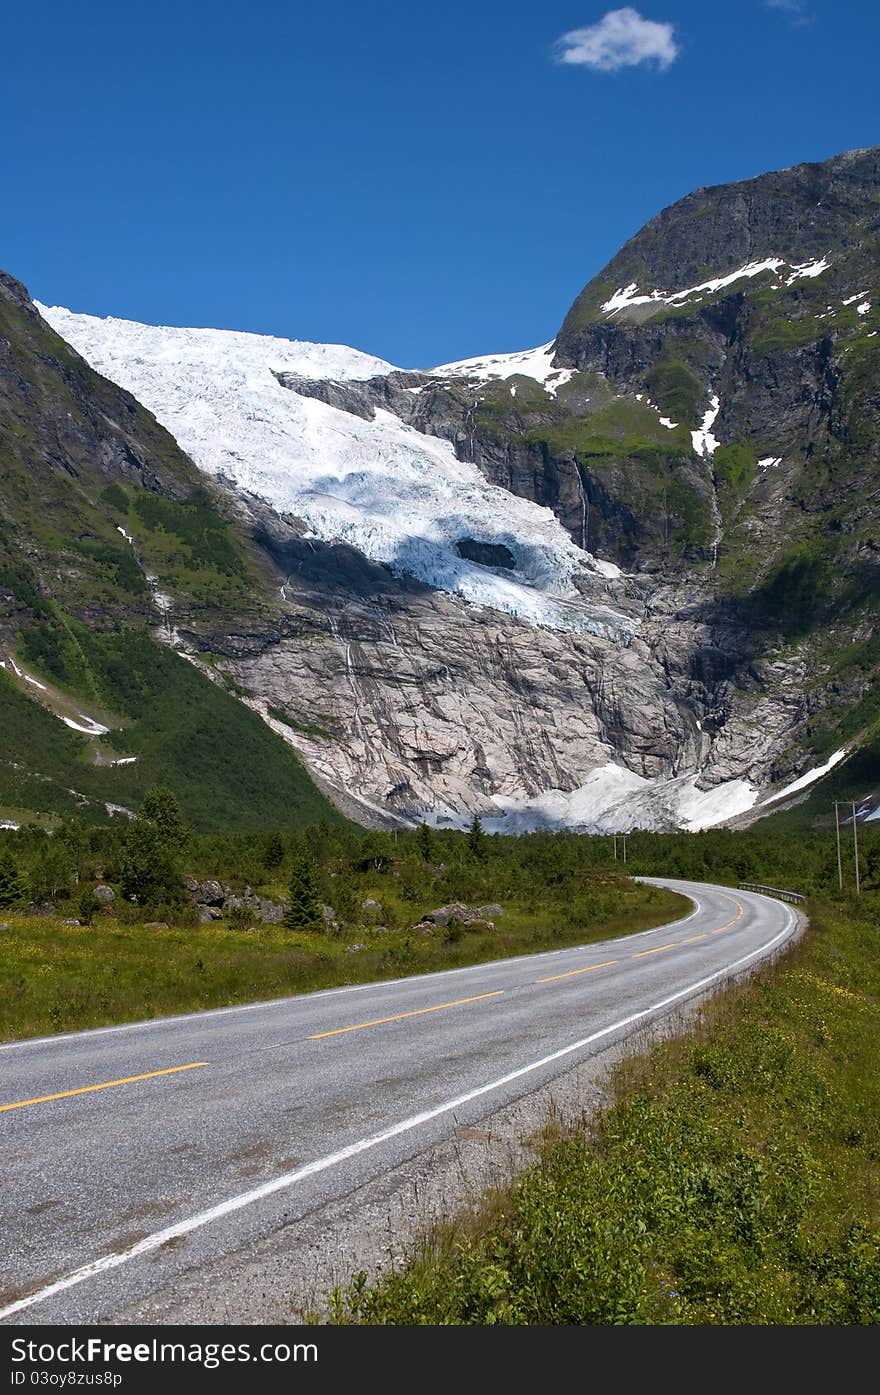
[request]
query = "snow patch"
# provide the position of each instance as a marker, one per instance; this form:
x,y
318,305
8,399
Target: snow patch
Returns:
x,y
811,776
703,441
863,308
808,269
769,462
124,760
531,363
398,496
625,297
615,800
91,728
851,300
670,425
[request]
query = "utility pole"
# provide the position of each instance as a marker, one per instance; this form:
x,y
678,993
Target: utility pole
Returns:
x,y
615,847
856,848
839,863
624,846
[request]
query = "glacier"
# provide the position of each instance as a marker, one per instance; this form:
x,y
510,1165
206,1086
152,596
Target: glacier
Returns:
x,y
400,497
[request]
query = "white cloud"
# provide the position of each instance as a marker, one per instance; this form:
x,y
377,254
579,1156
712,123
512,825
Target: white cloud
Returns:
x,y
797,10
621,39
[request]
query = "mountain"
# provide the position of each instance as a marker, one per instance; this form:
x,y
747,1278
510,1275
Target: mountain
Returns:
x,y
102,519
629,577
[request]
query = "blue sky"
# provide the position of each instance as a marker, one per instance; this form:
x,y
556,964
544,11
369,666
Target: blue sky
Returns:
x,y
422,182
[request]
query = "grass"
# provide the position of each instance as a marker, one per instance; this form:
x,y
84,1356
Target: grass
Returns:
x,y
56,977
734,1181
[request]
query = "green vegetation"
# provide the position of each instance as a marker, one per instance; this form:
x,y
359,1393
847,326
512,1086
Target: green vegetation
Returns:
x,y
734,468
55,976
13,887
675,385
303,910
225,766
795,594
780,332
190,543
119,564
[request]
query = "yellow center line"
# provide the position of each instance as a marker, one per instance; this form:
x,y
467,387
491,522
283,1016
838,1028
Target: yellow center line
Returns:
x,y
692,939
105,1085
571,973
643,952
398,1017
740,911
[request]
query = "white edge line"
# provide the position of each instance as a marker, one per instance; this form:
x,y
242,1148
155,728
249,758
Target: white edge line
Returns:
x,y
289,1179
64,1038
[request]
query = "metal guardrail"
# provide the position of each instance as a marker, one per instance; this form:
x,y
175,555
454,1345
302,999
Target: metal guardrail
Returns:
x,y
793,896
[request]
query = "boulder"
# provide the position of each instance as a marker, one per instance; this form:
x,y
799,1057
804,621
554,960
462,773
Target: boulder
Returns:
x,y
105,894
270,912
211,893
443,914
328,913
155,925
207,914
370,905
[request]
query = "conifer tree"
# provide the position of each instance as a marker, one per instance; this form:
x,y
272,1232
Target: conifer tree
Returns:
x,y
425,842
13,888
476,839
303,910
273,854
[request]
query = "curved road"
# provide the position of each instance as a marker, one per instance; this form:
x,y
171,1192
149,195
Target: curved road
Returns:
x,y
135,1154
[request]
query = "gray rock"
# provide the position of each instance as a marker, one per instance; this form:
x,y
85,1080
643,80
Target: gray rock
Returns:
x,y
211,893
105,894
328,913
354,949
370,905
209,913
491,909
443,914
155,925
270,912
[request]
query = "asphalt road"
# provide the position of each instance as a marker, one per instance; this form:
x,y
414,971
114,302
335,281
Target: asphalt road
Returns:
x,y
133,1155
